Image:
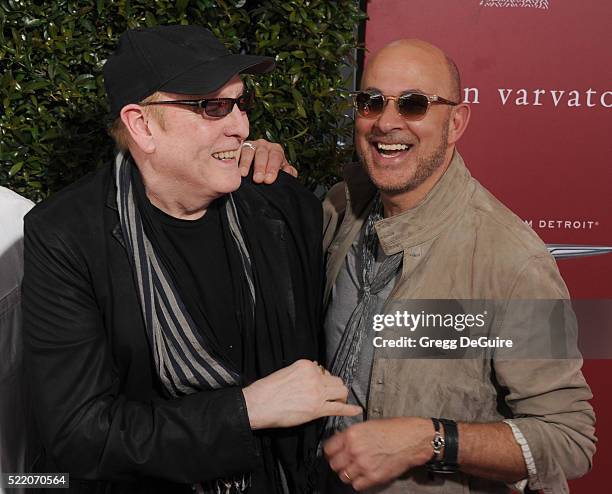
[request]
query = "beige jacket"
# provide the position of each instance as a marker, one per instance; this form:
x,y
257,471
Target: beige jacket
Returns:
x,y
462,243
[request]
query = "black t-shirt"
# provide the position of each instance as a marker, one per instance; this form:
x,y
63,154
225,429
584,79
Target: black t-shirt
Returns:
x,y
202,247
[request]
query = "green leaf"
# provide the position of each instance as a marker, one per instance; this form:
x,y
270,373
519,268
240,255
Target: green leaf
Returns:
x,y
299,103
15,169
292,153
150,19
299,134
34,85
30,22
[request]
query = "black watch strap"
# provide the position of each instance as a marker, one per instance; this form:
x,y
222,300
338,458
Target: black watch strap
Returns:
x,y
450,441
451,444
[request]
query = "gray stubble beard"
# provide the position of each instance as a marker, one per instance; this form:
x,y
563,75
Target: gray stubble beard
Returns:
x,y
426,166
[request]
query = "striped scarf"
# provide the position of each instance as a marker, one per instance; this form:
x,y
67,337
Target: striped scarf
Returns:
x,y
182,360
346,359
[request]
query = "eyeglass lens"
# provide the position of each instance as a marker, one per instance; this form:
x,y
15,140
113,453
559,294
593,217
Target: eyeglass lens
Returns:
x,y
221,107
413,105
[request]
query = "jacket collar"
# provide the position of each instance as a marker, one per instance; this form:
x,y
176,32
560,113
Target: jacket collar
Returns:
x,y
441,207
111,196
111,202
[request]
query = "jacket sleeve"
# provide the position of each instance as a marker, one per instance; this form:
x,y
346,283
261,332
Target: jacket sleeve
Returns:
x,y
548,396
88,427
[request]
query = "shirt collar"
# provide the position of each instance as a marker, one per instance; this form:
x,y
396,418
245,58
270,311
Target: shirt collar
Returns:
x,y
440,208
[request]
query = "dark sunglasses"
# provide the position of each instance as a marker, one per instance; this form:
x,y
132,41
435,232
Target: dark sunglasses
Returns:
x,y
213,107
411,104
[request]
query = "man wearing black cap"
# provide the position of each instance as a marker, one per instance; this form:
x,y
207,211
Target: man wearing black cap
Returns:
x,y
172,320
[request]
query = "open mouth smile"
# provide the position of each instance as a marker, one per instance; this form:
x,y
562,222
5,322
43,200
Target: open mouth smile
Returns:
x,y
391,150
226,155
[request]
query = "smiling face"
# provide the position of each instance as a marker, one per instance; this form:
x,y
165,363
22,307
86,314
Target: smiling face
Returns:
x,y
195,157
398,154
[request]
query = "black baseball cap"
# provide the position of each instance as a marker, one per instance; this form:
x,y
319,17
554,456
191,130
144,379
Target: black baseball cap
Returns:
x,y
177,59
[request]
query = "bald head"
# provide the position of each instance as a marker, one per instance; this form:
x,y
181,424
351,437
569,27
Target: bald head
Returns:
x,y
406,149
422,57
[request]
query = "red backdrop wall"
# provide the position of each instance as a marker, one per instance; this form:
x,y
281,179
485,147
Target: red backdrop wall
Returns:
x,y
539,77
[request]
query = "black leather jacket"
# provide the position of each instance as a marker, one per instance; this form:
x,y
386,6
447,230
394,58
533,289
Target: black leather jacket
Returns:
x,y
99,407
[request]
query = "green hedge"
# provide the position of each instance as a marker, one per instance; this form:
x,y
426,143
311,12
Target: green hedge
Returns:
x,y
53,124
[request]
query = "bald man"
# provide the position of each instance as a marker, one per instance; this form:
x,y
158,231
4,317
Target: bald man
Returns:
x,y
409,222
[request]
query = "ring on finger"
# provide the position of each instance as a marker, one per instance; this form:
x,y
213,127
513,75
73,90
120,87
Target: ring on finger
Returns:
x,y
246,144
348,477
322,369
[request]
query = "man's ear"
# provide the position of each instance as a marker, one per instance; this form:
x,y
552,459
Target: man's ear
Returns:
x,y
136,123
458,122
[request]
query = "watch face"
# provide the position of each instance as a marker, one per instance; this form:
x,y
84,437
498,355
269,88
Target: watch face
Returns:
x,y
437,442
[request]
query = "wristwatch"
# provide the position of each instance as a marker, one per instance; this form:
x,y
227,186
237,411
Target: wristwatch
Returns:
x,y
450,442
